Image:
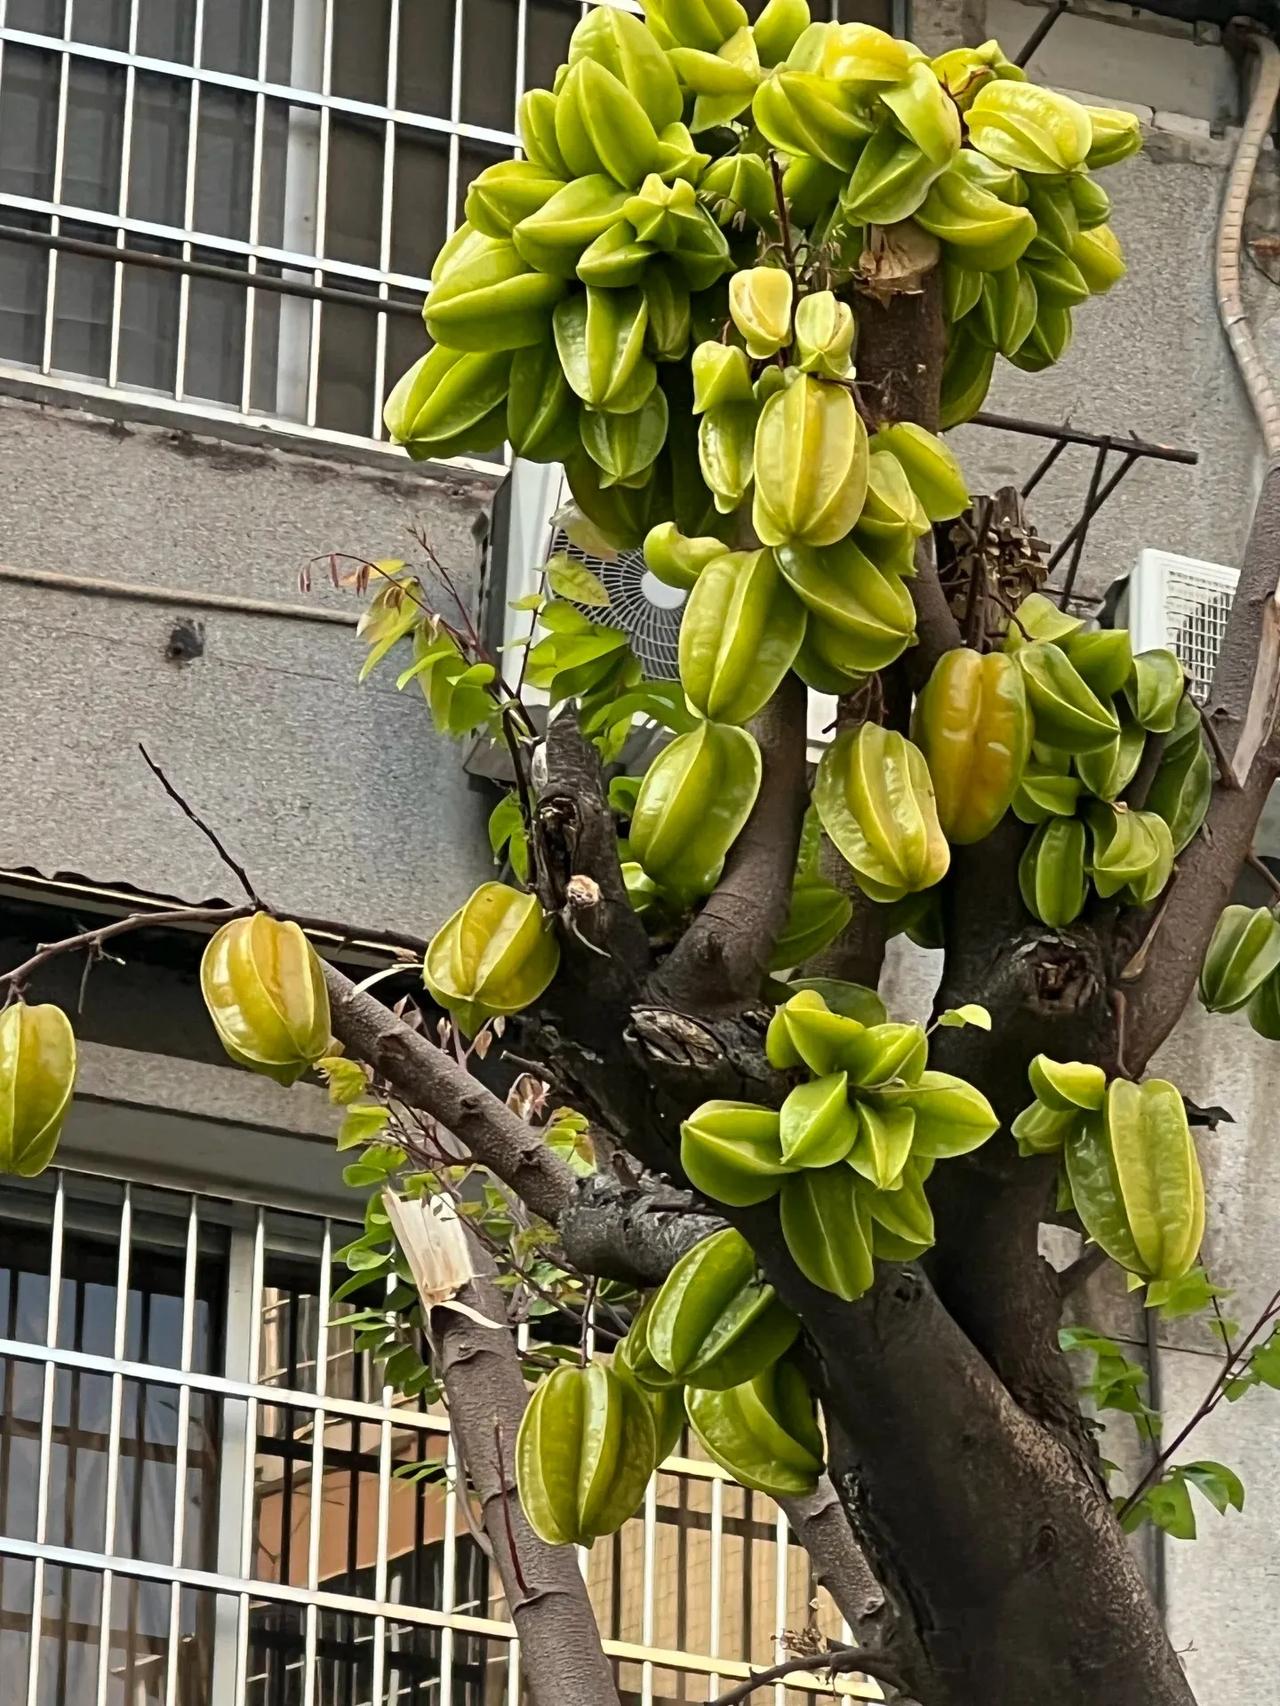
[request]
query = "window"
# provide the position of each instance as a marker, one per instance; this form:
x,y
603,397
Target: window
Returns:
x,y
323,147
198,1492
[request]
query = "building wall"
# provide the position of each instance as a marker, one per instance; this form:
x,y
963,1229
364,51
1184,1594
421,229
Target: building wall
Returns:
x,y
341,800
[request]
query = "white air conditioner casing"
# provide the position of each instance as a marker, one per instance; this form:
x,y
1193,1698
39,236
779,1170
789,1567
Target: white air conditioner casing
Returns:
x,y
1182,603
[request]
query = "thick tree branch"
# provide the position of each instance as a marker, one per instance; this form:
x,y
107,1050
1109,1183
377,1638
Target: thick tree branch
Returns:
x,y
607,1226
425,1077
719,962
579,878
819,1520
937,630
562,1660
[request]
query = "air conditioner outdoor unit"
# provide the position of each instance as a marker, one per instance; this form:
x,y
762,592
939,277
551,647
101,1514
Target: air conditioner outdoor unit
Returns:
x,y
525,537
1182,603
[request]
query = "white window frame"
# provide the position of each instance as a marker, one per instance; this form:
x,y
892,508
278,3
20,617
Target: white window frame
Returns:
x,y
302,254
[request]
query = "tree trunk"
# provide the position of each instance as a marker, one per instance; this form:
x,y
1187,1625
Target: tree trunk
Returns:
x,y
562,1661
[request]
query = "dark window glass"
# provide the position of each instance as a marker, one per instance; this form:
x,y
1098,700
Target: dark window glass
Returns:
x,y
231,36
426,56
361,30
28,122
95,126
166,29
489,30
101,23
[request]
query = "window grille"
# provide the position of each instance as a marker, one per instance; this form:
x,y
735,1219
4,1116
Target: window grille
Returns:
x,y
198,1493
320,147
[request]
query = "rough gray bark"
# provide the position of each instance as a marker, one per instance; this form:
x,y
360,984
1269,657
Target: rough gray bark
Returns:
x,y
561,1659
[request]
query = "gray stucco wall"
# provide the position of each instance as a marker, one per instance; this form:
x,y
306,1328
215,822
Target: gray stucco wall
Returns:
x,y
339,798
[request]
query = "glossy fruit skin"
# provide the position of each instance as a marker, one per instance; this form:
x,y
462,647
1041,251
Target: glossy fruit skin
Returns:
x,y
732,1152
861,616
816,916
827,1230
764,1432
741,629
1068,713
586,1448
810,465
1051,872
760,303
496,955
875,798
1182,789
1243,952
485,297
930,467
37,1076
1132,853
714,1323
1135,1179
1029,128
600,341
974,728
692,804
631,1361
1155,690
263,985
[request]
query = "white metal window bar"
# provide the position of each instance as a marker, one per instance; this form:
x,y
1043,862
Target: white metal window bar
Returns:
x,y
309,80
214,1480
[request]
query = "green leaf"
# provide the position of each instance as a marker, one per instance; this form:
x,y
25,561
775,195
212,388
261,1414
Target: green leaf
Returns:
x,y
1264,1364
1085,1339
970,1014
402,1366
530,601
349,1287
622,794
1168,1505
1186,1296
1221,1486
363,1122
572,580
346,1078
507,830
559,618
374,1167
569,1138
367,1261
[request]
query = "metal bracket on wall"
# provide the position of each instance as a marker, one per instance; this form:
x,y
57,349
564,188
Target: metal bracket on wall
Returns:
x,y
1130,450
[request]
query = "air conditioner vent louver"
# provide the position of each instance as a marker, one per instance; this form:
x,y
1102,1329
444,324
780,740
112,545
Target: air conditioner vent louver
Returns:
x,y
1183,603
647,611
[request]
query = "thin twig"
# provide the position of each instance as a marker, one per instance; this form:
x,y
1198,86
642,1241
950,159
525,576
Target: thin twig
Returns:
x,y
835,1660
1264,871
1135,967
1226,772
506,1512
188,810
93,939
1232,1368
784,217
1120,1010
